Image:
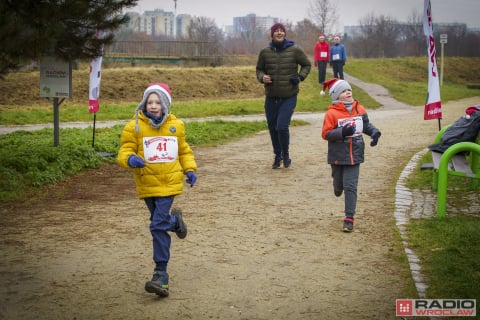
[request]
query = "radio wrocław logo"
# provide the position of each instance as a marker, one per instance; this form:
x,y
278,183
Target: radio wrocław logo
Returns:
x,y
436,307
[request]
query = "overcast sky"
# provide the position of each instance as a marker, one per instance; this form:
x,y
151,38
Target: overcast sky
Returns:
x,y
349,11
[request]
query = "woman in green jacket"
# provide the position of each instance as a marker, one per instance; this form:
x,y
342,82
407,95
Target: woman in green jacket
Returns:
x,y
281,67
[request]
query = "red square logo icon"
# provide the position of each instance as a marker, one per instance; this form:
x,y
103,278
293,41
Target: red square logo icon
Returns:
x,y
404,307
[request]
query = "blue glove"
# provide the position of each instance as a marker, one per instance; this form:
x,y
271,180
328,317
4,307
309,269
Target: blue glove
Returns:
x,y
135,162
191,178
296,79
375,137
348,130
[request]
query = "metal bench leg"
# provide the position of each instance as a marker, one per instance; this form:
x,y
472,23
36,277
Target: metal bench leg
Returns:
x,y
442,193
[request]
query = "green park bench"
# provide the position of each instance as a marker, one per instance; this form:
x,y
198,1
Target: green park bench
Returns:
x,y
461,159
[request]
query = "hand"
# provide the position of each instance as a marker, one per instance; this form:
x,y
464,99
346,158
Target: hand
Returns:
x,y
315,64
348,130
295,79
191,178
343,63
267,79
135,162
375,137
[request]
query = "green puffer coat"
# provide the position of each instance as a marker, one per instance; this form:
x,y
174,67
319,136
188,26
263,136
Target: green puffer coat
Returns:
x,y
281,65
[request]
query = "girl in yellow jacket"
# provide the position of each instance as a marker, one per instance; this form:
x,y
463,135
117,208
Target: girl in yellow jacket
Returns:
x,y
154,146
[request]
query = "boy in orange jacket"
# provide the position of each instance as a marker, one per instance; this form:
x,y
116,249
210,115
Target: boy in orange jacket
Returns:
x,y
344,123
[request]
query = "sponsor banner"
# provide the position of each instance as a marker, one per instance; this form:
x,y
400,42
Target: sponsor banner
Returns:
x,y
433,106
95,78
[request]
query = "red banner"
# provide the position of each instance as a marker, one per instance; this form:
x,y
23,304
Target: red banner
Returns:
x,y
433,106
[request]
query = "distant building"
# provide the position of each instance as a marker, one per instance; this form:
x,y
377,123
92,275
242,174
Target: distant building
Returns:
x,y
183,23
252,24
159,23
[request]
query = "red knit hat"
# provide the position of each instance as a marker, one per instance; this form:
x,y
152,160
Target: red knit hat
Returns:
x,y
276,26
160,86
335,87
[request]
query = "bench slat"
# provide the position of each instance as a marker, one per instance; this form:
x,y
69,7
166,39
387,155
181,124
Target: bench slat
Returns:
x,y
461,164
436,160
458,163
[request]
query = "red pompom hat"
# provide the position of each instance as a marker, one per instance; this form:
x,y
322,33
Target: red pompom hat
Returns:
x,y
335,87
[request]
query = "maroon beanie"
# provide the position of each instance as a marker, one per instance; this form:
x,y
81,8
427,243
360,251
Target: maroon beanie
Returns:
x,y
276,26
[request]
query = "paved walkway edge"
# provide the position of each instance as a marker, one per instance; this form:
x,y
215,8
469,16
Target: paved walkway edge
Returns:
x,y
403,209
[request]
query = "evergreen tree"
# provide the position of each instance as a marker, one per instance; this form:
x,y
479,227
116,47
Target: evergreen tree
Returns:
x,y
66,29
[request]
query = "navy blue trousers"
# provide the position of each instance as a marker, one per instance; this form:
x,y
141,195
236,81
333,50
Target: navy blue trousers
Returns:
x,y
160,223
322,71
279,112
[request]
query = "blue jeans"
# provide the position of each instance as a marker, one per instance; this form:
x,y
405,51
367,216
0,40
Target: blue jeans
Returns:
x,y
160,223
279,112
346,178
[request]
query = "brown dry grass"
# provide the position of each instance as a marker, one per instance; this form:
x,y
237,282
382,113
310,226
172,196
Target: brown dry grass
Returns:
x,y
125,85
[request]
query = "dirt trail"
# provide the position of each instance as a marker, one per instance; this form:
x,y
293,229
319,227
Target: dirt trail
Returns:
x,y
262,243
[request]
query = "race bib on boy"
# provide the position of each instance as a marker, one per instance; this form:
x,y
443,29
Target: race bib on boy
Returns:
x,y
356,122
336,56
160,149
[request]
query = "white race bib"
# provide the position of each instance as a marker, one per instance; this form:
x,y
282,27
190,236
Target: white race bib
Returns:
x,y
160,149
356,122
323,54
336,57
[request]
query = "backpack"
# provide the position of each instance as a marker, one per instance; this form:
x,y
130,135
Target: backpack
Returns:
x,y
464,129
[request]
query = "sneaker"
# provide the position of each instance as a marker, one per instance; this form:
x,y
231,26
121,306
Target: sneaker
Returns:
x,y
322,93
276,163
348,224
181,230
287,162
158,284
338,192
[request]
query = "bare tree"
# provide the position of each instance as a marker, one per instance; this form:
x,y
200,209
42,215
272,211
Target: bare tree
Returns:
x,y
379,36
365,45
205,31
324,14
414,40
386,35
306,33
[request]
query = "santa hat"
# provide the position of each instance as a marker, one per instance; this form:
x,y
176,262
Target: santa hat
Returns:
x,y
163,92
335,87
276,26
472,109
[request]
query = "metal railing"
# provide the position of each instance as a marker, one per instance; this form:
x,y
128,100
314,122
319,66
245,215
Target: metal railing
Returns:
x,y
187,49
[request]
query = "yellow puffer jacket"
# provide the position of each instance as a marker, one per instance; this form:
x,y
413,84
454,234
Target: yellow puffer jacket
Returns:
x,y
157,179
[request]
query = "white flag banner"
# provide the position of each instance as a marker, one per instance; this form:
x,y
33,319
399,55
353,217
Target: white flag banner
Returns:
x,y
433,105
95,78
